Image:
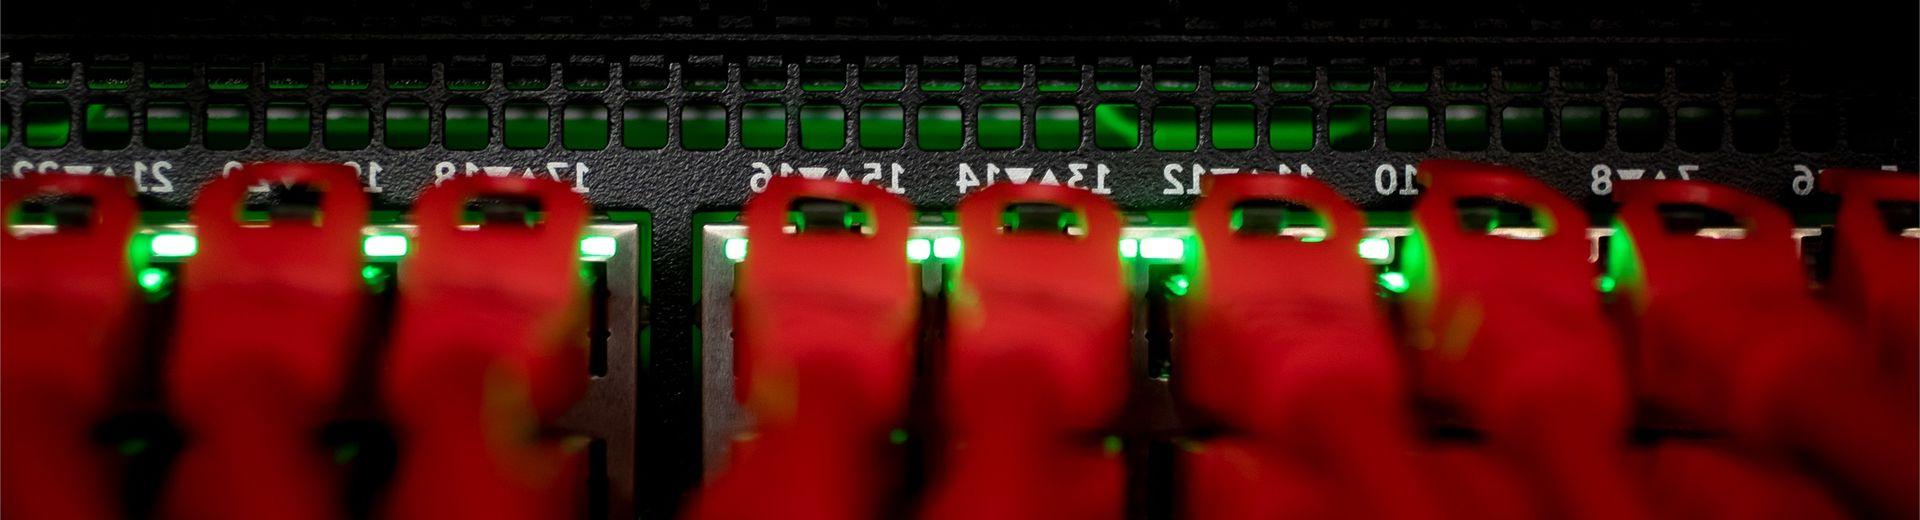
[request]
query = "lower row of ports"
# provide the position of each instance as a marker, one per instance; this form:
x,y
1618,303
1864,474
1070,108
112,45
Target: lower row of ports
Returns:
x,y
1273,351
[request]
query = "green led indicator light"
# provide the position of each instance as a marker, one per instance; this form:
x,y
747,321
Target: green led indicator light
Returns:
x,y
1605,284
1179,284
897,436
1163,248
946,247
919,249
1378,250
598,247
345,453
384,246
153,279
1129,247
131,447
1112,444
373,275
1395,282
174,245
736,249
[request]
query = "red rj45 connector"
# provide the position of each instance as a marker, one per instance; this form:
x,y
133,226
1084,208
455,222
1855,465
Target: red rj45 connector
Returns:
x,y
488,352
1728,338
825,331
1287,350
68,300
1036,363
1509,337
1876,271
268,322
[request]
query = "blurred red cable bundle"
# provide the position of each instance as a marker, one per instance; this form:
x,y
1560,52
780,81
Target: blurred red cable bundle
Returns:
x,y
1708,376
474,406
1874,276
1508,339
63,351
268,314
825,327
1728,340
1036,365
1288,350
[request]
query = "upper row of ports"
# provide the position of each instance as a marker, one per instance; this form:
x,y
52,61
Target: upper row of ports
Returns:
x,y
934,75
529,124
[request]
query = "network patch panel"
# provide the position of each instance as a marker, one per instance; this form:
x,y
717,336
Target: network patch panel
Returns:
x,y
669,119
